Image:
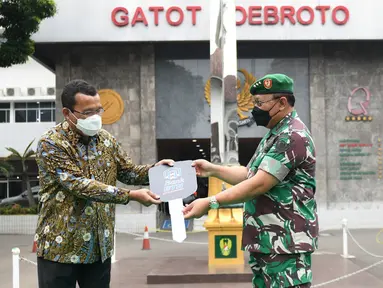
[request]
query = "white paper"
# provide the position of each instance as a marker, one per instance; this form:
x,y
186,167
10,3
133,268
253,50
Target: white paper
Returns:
x,y
177,219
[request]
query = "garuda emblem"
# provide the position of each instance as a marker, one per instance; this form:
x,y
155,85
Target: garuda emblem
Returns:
x,y
244,102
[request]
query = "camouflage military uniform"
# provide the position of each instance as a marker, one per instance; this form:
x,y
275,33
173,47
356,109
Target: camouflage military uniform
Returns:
x,y
281,227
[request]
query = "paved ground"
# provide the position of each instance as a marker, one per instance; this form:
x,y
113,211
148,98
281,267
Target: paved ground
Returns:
x,y
134,264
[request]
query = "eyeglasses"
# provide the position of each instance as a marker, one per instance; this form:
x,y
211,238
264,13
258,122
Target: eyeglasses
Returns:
x,y
259,103
91,113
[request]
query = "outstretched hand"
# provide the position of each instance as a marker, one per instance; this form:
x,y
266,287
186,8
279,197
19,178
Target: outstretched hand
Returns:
x,y
196,209
145,197
168,162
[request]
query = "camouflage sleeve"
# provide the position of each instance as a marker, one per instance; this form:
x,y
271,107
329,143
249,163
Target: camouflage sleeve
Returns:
x,y
288,152
128,172
56,165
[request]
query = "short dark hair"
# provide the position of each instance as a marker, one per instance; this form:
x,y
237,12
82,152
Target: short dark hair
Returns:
x,y
289,97
68,96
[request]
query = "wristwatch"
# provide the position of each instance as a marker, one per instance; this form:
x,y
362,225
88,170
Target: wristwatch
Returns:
x,y
213,203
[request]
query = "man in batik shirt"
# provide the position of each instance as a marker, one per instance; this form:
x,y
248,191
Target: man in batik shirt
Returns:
x,y
79,165
278,187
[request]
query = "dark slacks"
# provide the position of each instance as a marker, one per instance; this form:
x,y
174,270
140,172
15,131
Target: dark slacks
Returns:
x,y
59,275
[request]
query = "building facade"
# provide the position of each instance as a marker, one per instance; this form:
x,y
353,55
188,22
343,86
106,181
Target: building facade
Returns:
x,y
27,109
155,57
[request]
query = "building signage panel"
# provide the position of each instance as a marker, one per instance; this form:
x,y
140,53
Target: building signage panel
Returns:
x,y
187,20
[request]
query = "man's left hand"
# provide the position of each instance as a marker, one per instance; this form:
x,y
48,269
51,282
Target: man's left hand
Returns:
x,y
168,162
197,208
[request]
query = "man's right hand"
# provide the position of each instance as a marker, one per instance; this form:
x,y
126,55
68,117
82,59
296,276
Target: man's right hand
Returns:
x,y
145,197
203,168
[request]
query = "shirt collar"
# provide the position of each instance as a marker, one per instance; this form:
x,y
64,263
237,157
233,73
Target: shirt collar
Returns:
x,y
283,122
69,133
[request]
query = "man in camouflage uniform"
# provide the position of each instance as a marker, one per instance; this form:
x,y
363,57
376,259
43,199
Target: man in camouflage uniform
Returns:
x,y
278,187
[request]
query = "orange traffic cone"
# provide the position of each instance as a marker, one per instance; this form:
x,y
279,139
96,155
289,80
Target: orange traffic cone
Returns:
x,y
146,243
34,247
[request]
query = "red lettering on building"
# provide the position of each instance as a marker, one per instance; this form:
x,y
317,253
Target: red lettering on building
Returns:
x,y
194,10
174,15
310,11
335,18
252,15
244,15
156,10
139,16
304,15
180,16
123,18
322,10
287,12
270,12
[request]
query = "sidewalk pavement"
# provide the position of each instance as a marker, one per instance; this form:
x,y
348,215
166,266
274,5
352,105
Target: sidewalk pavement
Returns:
x,y
133,264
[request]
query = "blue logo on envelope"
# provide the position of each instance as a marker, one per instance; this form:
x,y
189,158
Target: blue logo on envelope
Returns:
x,y
172,173
174,182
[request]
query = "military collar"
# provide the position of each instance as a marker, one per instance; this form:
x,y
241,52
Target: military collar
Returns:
x,y
284,121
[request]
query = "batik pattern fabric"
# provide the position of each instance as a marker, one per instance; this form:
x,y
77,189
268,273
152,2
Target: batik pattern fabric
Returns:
x,y
78,194
281,270
283,220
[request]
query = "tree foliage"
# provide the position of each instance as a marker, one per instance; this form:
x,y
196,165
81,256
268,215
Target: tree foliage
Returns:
x,y
28,153
20,19
6,169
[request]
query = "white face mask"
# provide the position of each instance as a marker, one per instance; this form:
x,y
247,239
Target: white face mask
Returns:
x,y
89,126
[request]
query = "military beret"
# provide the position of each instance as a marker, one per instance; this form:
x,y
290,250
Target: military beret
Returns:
x,y
272,84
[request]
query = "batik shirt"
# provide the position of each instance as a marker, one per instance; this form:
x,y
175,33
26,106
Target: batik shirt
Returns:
x,y
284,219
78,194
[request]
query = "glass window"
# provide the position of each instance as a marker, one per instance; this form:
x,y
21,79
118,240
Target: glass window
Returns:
x,y
15,188
35,112
31,105
46,104
45,115
21,116
3,189
5,105
4,116
20,105
5,109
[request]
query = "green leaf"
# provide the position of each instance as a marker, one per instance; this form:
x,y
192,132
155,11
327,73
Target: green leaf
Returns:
x,y
27,150
14,153
6,168
20,20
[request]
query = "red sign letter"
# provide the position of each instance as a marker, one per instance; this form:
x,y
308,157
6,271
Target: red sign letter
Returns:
x,y
346,15
270,12
181,16
244,15
253,14
124,18
287,12
156,10
299,15
139,16
323,10
194,10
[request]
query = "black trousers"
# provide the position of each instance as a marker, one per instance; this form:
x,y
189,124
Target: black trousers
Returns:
x,y
59,275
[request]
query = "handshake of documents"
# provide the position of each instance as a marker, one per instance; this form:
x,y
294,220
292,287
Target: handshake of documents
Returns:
x,y
172,184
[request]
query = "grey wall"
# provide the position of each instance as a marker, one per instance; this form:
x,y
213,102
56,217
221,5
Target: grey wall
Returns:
x,y
183,112
336,69
129,70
